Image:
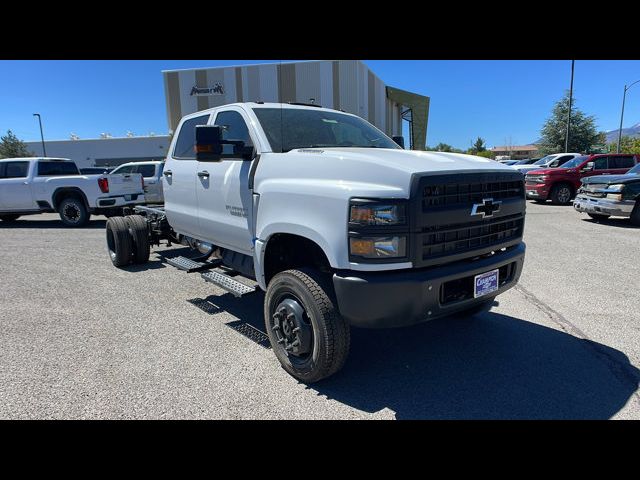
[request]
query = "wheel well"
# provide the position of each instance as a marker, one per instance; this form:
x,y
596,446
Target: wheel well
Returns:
x,y
284,251
62,193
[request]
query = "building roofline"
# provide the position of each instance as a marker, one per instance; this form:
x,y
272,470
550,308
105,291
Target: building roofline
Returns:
x,y
256,65
108,138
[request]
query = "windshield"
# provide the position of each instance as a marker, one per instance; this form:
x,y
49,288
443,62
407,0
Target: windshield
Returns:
x,y
575,162
544,160
635,169
292,128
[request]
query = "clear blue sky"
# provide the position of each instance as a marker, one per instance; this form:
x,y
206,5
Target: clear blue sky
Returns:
x,y
496,100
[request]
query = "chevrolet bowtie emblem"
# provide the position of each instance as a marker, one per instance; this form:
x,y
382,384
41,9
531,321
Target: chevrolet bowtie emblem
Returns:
x,y
486,209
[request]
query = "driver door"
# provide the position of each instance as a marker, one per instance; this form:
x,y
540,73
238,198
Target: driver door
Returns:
x,y
224,199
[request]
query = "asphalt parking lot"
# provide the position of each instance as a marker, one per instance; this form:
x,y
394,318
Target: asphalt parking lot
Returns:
x,y
82,339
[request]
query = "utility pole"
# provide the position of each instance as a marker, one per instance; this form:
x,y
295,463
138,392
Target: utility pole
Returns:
x,y
566,138
44,152
624,96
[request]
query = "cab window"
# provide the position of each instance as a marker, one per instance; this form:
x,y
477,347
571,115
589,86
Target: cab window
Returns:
x,y
600,163
125,169
233,128
625,162
56,169
14,169
146,170
184,149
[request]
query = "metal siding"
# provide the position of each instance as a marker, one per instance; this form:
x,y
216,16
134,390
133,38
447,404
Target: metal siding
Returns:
x,y
230,93
288,83
174,111
268,83
245,84
336,85
253,80
308,82
371,98
380,101
202,102
363,91
349,86
326,84
238,80
215,75
188,102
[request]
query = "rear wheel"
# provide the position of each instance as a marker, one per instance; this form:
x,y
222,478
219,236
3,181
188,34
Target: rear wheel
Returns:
x,y
140,235
635,214
561,194
73,212
306,331
598,216
119,242
9,218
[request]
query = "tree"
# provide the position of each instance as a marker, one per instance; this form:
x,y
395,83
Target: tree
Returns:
x,y
486,154
583,131
478,146
627,145
12,147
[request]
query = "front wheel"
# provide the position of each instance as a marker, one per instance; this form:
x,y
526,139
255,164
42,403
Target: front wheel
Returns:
x,y
307,333
9,218
561,194
73,212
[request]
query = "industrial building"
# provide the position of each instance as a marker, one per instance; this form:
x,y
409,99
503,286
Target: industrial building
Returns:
x,y
347,85
107,151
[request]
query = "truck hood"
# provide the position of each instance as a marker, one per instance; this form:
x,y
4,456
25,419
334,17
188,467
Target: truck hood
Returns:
x,y
363,171
408,161
548,171
611,179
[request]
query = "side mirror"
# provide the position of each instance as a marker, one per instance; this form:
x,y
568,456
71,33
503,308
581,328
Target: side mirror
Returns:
x,y
399,140
208,143
588,167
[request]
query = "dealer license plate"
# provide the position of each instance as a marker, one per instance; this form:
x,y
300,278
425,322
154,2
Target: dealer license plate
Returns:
x,y
485,283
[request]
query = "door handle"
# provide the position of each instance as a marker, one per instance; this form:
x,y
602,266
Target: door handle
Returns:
x,y
167,173
203,174
25,183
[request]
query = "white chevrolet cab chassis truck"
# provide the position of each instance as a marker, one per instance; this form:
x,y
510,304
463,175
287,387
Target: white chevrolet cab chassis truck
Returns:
x,y
334,221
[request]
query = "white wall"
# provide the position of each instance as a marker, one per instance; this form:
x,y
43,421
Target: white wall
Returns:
x,y
121,150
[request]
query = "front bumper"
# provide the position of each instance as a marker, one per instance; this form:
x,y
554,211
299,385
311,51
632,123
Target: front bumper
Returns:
x,y
400,298
538,191
604,206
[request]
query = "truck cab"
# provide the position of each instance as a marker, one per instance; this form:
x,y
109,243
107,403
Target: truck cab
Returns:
x,y
561,184
336,222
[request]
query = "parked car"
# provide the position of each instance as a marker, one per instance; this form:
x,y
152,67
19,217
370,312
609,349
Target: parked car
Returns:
x,y
550,161
337,223
604,196
561,184
152,175
527,161
94,171
41,184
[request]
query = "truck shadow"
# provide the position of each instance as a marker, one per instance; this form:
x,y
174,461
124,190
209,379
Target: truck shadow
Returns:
x,y
490,366
613,222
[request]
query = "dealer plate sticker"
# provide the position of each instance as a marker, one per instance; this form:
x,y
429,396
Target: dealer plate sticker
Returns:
x,y
485,283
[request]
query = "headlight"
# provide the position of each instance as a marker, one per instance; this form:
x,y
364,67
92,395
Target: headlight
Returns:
x,y
378,247
377,213
618,187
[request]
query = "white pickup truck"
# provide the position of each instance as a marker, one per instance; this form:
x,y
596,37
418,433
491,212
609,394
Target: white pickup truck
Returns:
x,y
152,176
40,184
338,224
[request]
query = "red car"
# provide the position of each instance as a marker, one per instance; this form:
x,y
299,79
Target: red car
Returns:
x,y
561,184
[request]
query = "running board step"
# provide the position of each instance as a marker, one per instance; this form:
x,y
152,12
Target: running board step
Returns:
x,y
227,283
189,266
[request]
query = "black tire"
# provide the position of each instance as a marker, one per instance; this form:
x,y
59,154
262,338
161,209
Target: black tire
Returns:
x,y
140,235
635,214
561,194
328,346
119,242
598,216
73,212
9,218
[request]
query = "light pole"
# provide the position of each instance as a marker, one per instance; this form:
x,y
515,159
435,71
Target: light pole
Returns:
x,y
44,152
566,138
624,96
